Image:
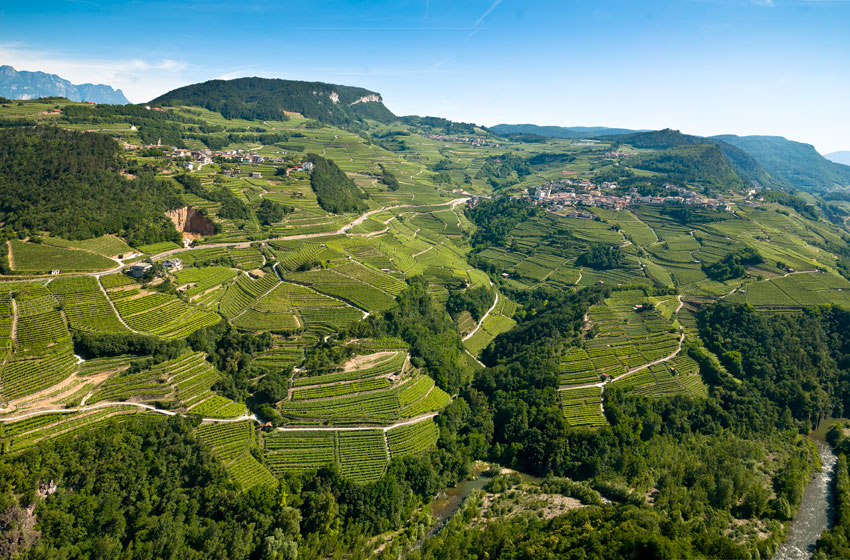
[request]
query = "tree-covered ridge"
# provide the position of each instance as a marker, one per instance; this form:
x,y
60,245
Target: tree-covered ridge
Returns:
x,y
68,184
743,163
261,98
335,190
799,362
496,219
501,170
603,257
692,164
795,163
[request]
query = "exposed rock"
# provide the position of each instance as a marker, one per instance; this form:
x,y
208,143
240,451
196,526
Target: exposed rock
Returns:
x,y
17,530
190,222
373,98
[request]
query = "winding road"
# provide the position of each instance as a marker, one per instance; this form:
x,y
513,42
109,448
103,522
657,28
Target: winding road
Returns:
x,y
634,370
253,417
481,322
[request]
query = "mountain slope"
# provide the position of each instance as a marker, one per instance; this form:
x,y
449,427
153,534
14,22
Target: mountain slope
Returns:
x,y
842,157
795,163
263,98
745,165
557,131
692,163
32,85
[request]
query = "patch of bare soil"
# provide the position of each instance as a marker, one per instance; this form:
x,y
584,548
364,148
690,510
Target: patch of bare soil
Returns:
x,y
365,362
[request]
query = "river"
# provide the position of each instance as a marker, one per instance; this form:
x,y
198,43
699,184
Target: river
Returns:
x,y
816,510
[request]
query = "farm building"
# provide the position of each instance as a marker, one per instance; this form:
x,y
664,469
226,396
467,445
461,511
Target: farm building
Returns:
x,y
139,269
172,265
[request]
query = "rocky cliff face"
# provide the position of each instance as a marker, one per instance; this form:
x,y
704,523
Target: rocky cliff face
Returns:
x,y
32,85
191,222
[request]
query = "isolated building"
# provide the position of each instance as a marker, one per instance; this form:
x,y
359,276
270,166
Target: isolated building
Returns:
x,y
171,265
139,269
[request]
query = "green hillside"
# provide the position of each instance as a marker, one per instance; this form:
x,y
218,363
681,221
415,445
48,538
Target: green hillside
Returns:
x,y
795,163
261,99
429,303
744,164
692,164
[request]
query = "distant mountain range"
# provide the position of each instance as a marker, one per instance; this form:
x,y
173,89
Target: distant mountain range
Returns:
x,y
16,84
264,98
842,157
770,160
558,131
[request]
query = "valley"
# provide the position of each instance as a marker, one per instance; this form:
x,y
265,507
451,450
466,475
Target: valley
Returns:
x,y
339,312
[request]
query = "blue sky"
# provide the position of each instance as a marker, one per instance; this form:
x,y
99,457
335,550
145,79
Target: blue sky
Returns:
x,y
702,66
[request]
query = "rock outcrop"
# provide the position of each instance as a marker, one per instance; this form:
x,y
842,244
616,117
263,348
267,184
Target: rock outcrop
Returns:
x,y
191,222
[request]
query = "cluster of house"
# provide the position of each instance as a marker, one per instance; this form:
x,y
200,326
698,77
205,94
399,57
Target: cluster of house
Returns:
x,y
477,142
559,196
200,158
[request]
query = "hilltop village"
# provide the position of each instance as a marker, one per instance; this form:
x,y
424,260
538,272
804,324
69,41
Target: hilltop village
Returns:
x,y
558,196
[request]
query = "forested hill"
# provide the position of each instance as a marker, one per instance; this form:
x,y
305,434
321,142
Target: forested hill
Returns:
x,y
795,163
68,184
699,163
742,162
557,131
262,98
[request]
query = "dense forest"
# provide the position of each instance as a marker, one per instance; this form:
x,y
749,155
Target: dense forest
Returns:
x,y
68,184
496,219
502,171
800,362
692,164
337,193
151,489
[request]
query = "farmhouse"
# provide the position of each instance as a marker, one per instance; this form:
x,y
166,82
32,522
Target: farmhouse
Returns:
x,y
172,265
139,269
256,175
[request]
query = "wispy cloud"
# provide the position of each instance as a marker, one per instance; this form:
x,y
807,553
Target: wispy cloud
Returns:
x,y
488,12
765,3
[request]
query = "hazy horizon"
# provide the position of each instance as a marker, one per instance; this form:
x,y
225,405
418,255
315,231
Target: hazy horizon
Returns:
x,y
704,67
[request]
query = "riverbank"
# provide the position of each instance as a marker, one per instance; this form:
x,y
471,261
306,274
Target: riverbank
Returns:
x,y
816,511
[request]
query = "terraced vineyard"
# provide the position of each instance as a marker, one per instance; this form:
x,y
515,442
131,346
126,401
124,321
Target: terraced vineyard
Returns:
x,y
43,354
86,305
231,442
345,287
19,435
583,407
413,438
160,314
411,397
299,451
631,337
362,454
185,381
